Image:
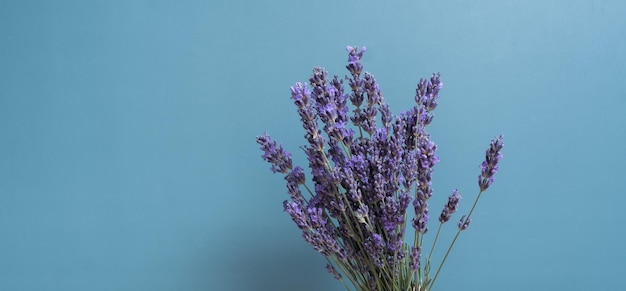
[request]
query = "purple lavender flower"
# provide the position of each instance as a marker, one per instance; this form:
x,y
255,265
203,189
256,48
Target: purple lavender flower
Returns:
x,y
421,215
316,217
426,160
331,269
275,154
414,257
490,166
426,96
294,179
427,92
354,58
374,246
372,90
356,83
464,222
297,215
451,206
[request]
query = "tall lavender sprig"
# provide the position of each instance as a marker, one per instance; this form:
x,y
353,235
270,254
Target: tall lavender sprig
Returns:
x,y
420,145
488,168
449,209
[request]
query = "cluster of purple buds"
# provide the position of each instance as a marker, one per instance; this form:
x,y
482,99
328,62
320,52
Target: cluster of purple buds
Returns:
x,y
490,165
275,154
464,222
414,258
451,207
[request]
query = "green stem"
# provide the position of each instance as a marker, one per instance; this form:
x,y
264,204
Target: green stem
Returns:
x,y
344,272
454,240
435,241
308,190
444,259
432,249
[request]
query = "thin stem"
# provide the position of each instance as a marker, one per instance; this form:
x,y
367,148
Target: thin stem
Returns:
x,y
474,206
432,249
444,258
435,241
308,190
346,150
345,273
454,240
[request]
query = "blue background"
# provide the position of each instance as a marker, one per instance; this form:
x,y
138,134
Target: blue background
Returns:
x,y
127,137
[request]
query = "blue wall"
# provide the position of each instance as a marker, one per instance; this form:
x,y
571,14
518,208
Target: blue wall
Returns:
x,y
127,137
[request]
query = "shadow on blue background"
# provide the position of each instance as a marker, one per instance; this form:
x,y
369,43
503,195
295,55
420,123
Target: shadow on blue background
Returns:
x,y
127,137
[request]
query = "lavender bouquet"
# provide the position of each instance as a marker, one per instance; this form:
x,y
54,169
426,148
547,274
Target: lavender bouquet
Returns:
x,y
366,171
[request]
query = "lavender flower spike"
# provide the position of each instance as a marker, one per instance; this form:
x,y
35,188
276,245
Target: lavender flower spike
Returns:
x,y
490,165
415,255
451,206
275,154
331,269
464,223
